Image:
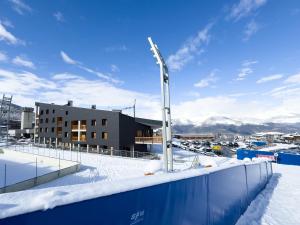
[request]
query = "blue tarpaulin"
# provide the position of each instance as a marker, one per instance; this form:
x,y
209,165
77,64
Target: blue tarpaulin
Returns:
x,y
215,198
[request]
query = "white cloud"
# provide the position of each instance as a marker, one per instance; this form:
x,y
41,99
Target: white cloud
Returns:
x,y
189,49
20,7
293,79
64,76
269,78
246,69
244,8
114,68
59,16
27,88
3,57
7,36
7,23
20,61
251,28
210,79
67,59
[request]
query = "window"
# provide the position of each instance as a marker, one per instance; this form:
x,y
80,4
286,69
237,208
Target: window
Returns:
x,y
42,112
47,120
41,129
47,111
46,129
53,111
93,135
104,122
67,112
104,135
53,120
52,129
66,134
93,123
66,123
41,120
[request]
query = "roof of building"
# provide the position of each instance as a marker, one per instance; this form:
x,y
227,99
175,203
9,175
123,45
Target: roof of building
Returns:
x,y
152,123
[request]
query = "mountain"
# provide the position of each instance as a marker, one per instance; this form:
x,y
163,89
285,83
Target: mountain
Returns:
x,y
225,125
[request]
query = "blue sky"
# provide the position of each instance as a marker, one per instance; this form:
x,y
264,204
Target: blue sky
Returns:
x,y
239,58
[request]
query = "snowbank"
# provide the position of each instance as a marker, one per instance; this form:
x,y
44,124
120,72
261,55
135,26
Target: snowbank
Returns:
x,y
278,203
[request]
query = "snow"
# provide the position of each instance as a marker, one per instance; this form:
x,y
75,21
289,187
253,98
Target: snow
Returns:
x,y
279,146
22,166
102,175
153,167
278,203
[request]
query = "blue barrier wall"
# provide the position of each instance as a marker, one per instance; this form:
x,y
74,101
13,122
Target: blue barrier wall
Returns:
x,y
282,158
216,198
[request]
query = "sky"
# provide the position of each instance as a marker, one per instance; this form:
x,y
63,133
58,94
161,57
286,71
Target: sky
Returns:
x,y
238,58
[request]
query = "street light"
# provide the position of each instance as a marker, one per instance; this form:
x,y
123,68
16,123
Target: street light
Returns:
x,y
166,111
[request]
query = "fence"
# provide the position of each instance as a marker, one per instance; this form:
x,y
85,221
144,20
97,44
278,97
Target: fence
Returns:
x,y
216,198
38,180
278,157
32,171
75,152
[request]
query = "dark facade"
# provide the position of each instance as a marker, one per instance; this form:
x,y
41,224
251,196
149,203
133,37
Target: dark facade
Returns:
x,y
92,128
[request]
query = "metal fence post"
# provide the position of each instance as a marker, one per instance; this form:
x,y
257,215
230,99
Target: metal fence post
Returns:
x,y
4,175
36,167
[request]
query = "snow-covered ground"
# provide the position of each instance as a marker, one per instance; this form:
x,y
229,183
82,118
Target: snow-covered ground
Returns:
x,y
279,146
102,175
278,203
22,166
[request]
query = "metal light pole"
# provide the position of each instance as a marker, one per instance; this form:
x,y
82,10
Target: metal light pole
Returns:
x,y
166,111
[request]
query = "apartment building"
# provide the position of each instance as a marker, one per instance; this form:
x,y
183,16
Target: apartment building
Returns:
x,y
69,126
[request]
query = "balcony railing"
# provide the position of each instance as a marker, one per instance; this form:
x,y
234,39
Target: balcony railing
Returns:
x,y
75,127
148,140
83,139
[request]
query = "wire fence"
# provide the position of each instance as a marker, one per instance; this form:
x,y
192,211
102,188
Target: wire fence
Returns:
x,y
33,167
75,153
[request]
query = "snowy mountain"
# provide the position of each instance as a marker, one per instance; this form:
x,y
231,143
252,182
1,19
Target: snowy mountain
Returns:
x,y
221,120
227,125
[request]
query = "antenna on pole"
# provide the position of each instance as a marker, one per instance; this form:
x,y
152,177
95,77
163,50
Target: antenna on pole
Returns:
x,y
131,107
166,110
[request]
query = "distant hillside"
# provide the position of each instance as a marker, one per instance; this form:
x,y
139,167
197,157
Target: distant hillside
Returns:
x,y
242,129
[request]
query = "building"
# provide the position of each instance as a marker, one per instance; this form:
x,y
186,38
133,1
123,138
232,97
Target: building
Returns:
x,y
270,136
69,126
23,128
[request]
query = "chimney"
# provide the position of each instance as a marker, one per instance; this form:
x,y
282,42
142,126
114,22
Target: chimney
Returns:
x,y
70,103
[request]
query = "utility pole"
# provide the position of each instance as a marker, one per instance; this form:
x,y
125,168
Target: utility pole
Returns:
x,y
166,110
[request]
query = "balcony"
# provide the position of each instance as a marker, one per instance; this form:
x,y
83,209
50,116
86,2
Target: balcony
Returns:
x,y
148,140
82,137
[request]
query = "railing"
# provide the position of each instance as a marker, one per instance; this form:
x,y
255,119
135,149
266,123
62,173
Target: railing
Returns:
x,y
76,127
82,127
80,139
37,149
74,138
148,140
